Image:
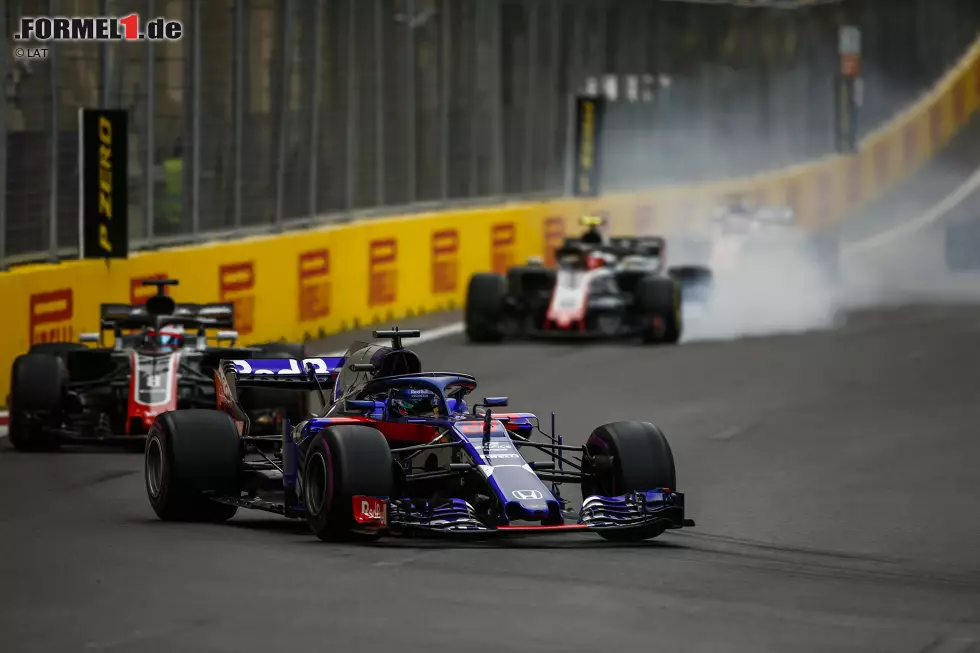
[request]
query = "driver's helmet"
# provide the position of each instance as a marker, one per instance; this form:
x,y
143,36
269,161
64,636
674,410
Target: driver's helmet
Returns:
x,y
414,402
593,234
167,338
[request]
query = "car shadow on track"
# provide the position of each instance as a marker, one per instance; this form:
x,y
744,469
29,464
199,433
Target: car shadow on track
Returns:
x,y
135,452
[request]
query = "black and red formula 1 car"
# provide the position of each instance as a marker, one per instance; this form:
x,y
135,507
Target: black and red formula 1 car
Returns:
x,y
160,360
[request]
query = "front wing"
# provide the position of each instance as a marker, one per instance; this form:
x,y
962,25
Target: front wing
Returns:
x,y
456,517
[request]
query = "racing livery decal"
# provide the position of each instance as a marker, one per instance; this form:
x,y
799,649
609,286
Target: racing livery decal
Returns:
x,y
154,379
569,298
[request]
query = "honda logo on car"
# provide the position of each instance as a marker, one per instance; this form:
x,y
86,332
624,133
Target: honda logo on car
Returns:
x,y
527,495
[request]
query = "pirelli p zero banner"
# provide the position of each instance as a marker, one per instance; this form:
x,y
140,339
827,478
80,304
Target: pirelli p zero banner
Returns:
x,y
103,178
587,169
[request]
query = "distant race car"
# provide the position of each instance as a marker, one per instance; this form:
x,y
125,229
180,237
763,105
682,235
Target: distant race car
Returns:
x,y
71,392
739,233
608,287
399,452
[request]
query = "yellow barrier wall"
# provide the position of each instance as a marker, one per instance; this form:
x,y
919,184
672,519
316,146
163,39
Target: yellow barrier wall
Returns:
x,y
307,284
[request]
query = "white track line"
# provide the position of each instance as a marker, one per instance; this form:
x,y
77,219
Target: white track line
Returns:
x,y
437,333
909,227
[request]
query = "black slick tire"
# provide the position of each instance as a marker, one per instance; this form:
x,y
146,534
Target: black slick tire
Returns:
x,y
190,453
343,462
659,302
37,387
484,307
59,349
628,457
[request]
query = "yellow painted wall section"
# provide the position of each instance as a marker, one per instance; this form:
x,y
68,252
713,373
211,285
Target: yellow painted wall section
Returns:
x,y
303,285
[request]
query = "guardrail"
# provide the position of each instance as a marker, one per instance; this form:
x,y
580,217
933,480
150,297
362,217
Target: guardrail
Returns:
x,y
304,285
290,112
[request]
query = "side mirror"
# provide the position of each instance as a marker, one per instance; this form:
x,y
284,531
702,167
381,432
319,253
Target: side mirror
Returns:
x,y
89,337
495,402
359,404
226,335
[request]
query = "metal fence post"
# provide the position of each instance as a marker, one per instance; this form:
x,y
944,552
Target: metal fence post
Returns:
x,y
379,114
496,102
195,25
352,101
285,54
410,99
105,63
473,125
53,146
149,136
445,68
553,114
5,44
238,58
315,94
531,42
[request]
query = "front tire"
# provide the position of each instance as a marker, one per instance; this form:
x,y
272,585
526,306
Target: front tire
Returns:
x,y
37,389
189,455
628,457
485,297
343,462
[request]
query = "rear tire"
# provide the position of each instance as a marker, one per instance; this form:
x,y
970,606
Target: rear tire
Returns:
x,y
37,385
190,453
659,302
484,307
630,457
343,462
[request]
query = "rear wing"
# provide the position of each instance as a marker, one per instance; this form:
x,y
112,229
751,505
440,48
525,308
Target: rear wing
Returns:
x,y
283,373
776,216
137,316
653,246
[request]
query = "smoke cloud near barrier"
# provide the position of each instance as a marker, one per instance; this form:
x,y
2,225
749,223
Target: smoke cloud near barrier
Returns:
x,y
892,253
773,290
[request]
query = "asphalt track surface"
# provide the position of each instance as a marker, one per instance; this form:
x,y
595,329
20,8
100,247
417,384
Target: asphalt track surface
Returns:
x,y
833,476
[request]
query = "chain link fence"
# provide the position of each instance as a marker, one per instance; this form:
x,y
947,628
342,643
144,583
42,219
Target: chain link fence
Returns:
x,y
272,114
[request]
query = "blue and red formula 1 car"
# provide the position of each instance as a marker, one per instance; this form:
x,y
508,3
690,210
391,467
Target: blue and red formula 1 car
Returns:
x,y
398,451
